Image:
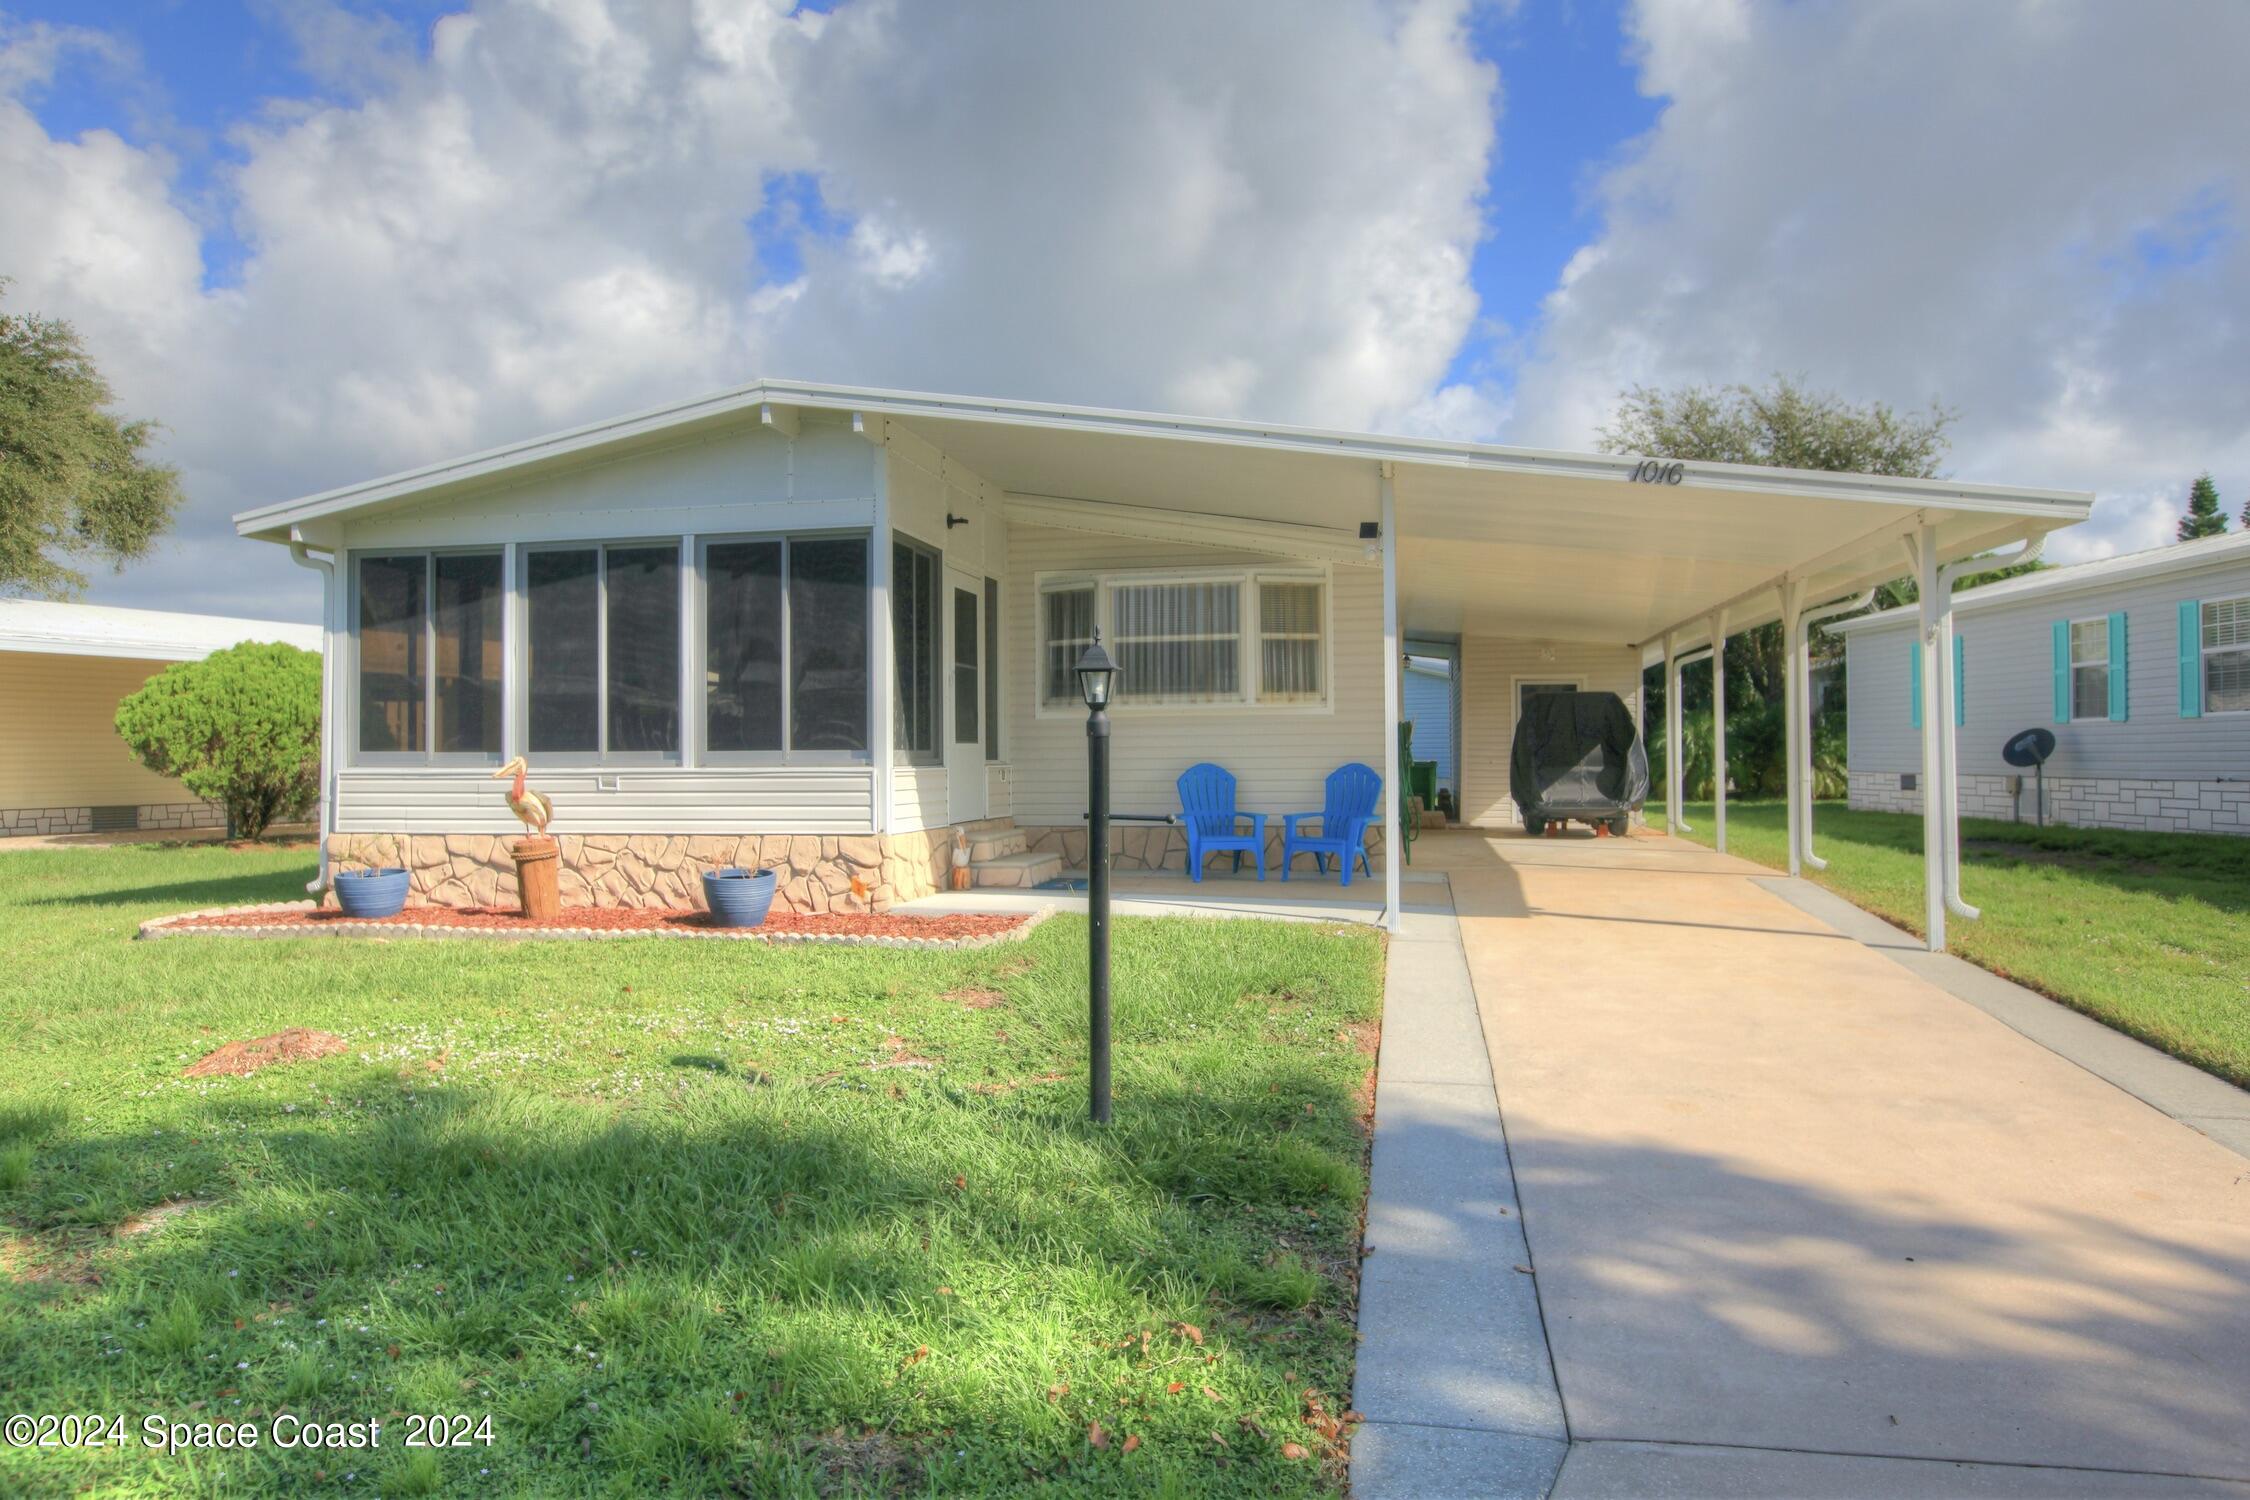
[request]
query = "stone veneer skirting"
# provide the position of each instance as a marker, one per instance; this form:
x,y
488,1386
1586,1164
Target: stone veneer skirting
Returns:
x,y
1159,846
819,872
2142,805
45,821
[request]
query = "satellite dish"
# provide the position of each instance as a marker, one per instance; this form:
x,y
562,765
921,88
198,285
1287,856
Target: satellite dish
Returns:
x,y
2030,748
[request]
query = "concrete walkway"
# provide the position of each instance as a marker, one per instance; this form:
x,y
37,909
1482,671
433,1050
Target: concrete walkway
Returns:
x,y
1805,1223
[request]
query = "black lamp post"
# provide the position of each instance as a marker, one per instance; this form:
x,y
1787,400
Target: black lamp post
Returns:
x,y
1096,674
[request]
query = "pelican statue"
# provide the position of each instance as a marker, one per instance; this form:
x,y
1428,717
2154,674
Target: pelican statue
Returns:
x,y
533,807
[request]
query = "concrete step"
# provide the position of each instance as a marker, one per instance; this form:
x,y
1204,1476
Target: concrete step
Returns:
x,y
997,843
1018,871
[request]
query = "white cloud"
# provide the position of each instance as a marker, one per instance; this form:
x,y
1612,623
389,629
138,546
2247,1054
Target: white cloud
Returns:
x,y
1241,209
2034,211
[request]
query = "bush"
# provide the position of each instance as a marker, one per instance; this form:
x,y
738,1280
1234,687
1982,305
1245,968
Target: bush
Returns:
x,y
240,728
1755,754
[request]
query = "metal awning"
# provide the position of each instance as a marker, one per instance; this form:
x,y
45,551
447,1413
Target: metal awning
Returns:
x,y
1492,540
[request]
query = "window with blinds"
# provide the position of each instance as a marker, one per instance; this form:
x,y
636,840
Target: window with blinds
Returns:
x,y
1201,641
2226,655
2089,669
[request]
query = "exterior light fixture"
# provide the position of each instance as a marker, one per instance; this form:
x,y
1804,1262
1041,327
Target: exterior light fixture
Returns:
x,y
1096,675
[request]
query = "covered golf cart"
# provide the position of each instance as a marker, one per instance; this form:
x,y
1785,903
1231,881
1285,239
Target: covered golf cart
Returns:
x,y
1577,756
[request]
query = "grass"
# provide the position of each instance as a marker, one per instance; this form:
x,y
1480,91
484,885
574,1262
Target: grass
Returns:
x,y
702,1218
2144,931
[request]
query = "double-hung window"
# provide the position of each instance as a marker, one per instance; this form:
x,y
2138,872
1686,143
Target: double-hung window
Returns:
x,y
2226,655
1190,640
602,628
430,648
785,648
2089,669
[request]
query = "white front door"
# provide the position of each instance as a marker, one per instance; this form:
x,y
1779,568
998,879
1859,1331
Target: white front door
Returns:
x,y
964,685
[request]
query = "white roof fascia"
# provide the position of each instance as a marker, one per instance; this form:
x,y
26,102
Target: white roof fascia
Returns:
x,y
2079,578
46,628
1368,447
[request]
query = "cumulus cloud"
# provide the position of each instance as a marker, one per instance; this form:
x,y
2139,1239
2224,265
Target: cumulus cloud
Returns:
x,y
559,210
2031,210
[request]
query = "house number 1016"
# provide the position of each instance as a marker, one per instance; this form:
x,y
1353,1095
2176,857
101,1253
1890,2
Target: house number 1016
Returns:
x,y
1657,471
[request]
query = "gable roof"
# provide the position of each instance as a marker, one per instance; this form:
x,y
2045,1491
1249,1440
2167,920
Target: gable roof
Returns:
x,y
2180,558
56,629
1491,540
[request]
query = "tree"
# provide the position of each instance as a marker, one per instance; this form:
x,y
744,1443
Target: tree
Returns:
x,y
240,728
2204,518
1785,425
73,483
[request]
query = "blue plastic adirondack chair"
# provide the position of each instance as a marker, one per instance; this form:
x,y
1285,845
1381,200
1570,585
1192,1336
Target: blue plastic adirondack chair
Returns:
x,y
1352,794
1213,826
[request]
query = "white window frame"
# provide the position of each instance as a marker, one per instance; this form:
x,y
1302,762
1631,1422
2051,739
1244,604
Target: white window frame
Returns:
x,y
1105,584
430,755
2206,652
2107,666
699,633
520,660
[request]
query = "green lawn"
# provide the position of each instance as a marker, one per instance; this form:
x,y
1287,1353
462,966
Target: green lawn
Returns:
x,y
676,1215
2145,931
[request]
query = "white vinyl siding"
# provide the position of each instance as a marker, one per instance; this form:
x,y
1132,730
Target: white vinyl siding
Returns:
x,y
2226,655
1494,672
1281,765
2012,646
653,799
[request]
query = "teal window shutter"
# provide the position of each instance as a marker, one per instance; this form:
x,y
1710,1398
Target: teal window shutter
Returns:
x,y
1960,681
2191,658
1914,680
2062,671
2117,698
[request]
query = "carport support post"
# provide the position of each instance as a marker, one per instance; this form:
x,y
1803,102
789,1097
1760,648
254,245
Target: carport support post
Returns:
x,y
1793,711
1675,752
1922,548
1719,730
1393,851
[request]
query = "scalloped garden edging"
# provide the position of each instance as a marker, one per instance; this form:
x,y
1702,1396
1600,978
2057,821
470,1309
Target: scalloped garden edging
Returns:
x,y
295,919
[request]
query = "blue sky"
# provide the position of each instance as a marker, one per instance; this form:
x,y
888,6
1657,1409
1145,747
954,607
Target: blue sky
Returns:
x,y
321,240
1569,105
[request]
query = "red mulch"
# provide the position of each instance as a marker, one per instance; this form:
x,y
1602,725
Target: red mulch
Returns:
x,y
297,1044
626,919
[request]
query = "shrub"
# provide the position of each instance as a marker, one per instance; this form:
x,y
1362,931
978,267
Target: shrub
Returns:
x,y
240,728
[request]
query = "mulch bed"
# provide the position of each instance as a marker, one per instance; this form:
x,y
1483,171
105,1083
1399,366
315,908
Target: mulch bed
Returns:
x,y
891,930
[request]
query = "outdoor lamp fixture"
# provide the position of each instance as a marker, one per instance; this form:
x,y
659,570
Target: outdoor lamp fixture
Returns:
x,y
1096,674
1371,538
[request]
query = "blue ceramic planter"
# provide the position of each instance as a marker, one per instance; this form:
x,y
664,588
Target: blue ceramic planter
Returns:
x,y
738,897
371,893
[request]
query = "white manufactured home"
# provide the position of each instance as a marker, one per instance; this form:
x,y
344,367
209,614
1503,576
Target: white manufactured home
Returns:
x,y
2138,665
64,668
826,627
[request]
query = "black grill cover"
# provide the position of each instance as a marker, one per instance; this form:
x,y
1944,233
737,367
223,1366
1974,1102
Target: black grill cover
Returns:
x,y
1576,755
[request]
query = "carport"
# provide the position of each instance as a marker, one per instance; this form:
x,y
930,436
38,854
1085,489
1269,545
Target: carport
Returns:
x,y
1672,558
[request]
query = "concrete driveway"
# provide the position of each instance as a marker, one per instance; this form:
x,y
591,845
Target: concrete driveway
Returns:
x,y
1797,1215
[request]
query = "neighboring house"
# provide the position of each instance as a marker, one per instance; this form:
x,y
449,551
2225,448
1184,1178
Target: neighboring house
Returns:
x,y
827,627
2140,665
1429,688
63,670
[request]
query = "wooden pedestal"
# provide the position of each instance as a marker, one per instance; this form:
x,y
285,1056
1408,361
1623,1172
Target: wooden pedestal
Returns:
x,y
537,860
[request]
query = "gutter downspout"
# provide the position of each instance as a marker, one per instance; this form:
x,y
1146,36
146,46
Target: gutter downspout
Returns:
x,y
303,556
1948,749
1805,622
